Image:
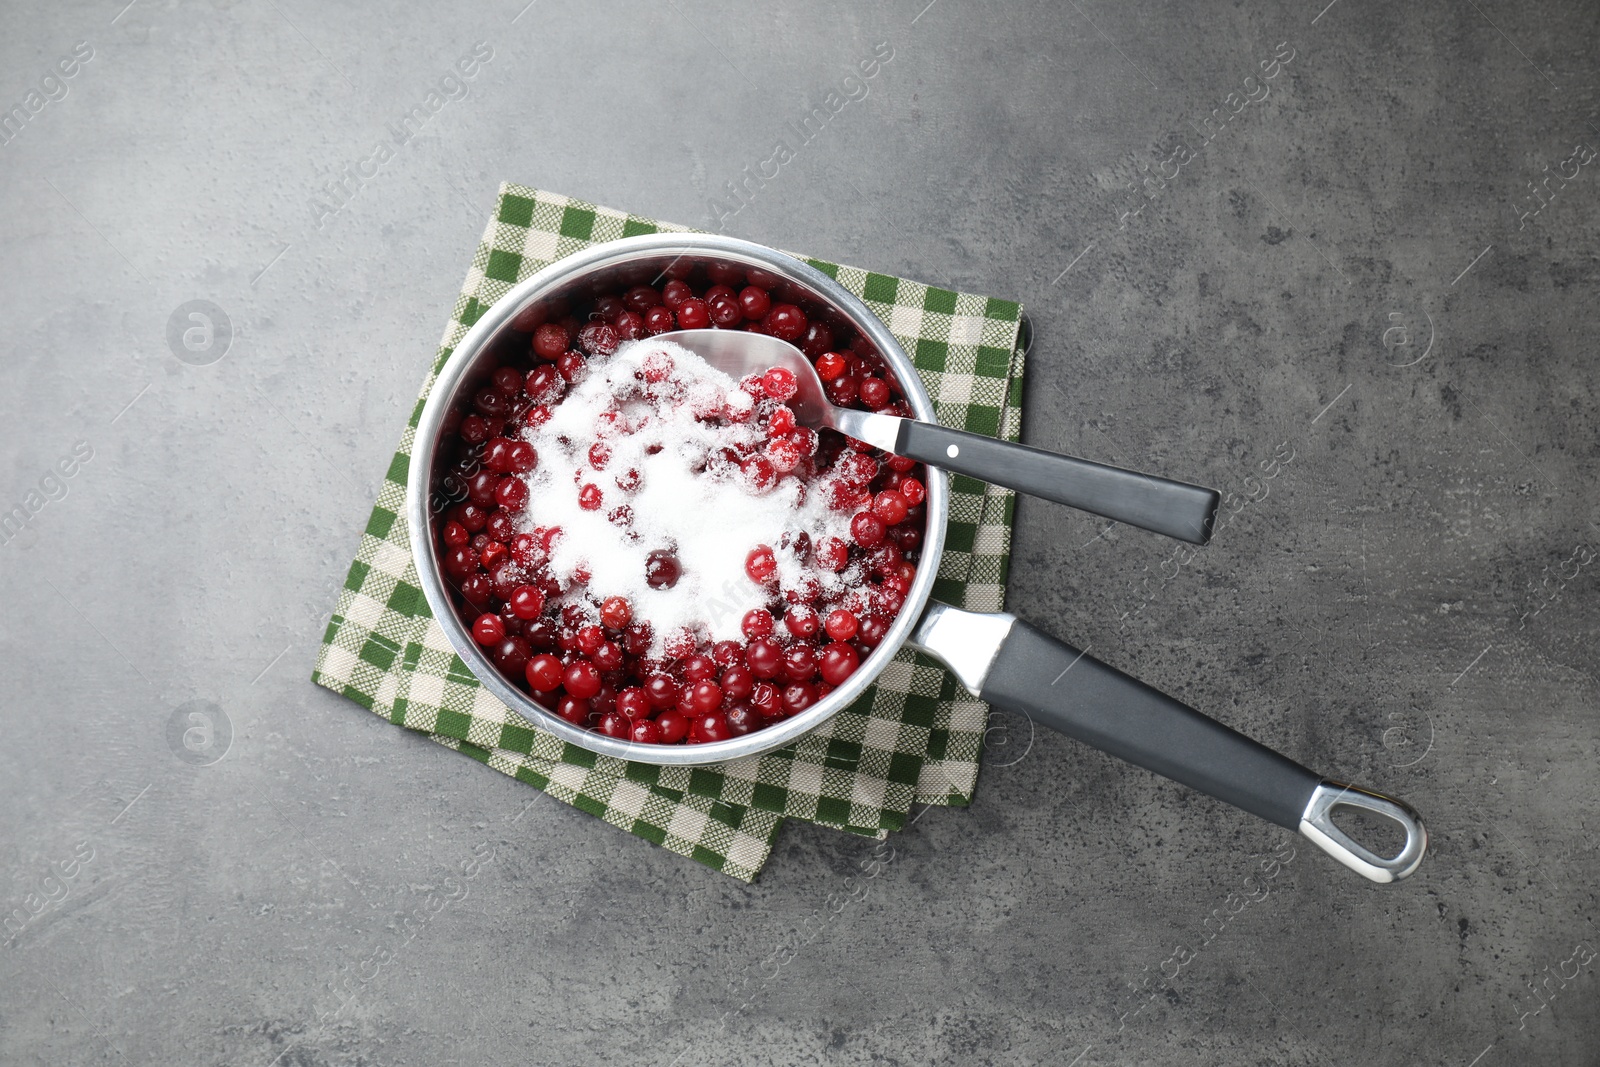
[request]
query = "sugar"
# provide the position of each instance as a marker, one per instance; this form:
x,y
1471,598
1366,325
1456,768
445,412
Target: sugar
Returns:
x,y
690,495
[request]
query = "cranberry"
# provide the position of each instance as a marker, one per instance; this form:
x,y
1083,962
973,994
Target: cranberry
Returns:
x,y
544,673
572,367
765,657
661,691
673,726
693,314
766,700
832,554
598,339
629,480
633,703
460,562
798,696
727,654
507,382
779,383
781,421
873,629
705,696
644,732
742,718
675,292
474,429
760,564
842,390
582,679
874,393
841,625
754,302
488,629
659,320
641,298
830,365
737,682
608,657
759,474
615,612
543,384
839,661
454,535
526,602
590,497
801,621
785,321
784,454
511,655
867,529
817,339
890,507
725,312
613,724
608,307
698,668
630,326
662,569
756,623
574,709
477,590
913,491
490,402
511,494
799,662
712,726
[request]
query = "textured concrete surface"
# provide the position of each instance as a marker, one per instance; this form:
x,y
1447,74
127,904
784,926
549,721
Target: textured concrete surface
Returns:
x,y
1339,306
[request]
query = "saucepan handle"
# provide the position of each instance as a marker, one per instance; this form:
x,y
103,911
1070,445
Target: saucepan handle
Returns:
x,y
1176,509
1059,686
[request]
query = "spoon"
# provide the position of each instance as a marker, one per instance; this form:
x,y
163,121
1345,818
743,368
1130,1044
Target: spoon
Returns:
x,y
1176,509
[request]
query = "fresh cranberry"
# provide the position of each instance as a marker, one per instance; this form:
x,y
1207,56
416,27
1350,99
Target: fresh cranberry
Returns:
x,y
644,732
712,726
913,491
737,682
598,339
615,612
659,320
842,390
630,326
755,302
613,724
474,429
608,657
727,653
725,312
760,564
798,696
582,679
832,554
742,718
841,625
590,498
641,298
572,367
608,307
799,662
477,590
698,668
490,402
633,703
872,631
543,672
507,382
526,602
692,314
460,562
705,696
756,623
784,454
781,421
839,661
867,529
874,393
830,365
629,480
890,508
759,474
543,384
674,727
766,700
488,629
662,569
511,655
661,691
801,621
454,535
779,383
765,657
574,709
511,494
817,339
785,321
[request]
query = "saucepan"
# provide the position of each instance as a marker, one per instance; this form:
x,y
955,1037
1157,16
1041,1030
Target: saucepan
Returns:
x,y
1000,658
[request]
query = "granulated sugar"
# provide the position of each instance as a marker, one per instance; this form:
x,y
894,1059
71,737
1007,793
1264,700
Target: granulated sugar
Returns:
x,y
691,497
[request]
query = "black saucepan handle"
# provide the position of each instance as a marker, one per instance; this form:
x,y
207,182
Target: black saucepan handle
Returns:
x,y
1016,667
1176,509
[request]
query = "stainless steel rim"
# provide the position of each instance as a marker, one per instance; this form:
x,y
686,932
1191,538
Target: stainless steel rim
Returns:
x,y
598,257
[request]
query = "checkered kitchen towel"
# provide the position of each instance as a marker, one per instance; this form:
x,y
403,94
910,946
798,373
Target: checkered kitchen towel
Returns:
x,y
915,735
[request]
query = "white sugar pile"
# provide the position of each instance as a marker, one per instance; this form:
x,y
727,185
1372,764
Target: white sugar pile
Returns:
x,y
689,495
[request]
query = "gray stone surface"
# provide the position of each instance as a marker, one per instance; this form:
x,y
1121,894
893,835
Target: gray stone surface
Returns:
x,y
1406,597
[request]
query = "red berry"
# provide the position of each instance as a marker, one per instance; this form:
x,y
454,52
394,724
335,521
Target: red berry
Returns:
x,y
712,726
675,292
760,564
673,726
544,673
454,535
766,700
488,629
644,732
780,421
662,569
633,703
641,298
725,312
756,623
784,454
615,724
661,691
841,625
511,655
615,612
801,621
742,718
572,366
839,661
582,679
590,638
754,302
598,339
574,710
817,339
550,340
785,321
608,657
798,696
875,393
698,668
693,314
832,554
765,657
779,383
799,662
526,602
737,682
890,507
914,491
867,529
873,629
590,497
511,493
705,696
543,384
659,320
474,429
831,365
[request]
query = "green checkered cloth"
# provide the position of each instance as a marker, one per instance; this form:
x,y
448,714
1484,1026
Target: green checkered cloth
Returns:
x,y
914,736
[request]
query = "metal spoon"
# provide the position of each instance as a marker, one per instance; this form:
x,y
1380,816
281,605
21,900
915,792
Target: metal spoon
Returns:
x,y
1176,509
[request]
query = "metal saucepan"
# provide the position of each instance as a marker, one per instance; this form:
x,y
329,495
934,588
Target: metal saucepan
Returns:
x,y
1000,658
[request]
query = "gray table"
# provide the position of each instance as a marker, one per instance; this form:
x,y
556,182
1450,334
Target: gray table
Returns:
x,y
1337,301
